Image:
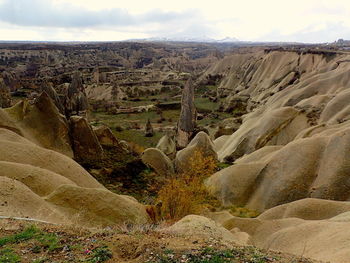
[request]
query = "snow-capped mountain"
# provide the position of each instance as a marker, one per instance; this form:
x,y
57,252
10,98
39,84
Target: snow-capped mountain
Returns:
x,y
203,39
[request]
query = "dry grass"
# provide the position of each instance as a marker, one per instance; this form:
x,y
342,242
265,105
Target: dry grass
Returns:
x,y
185,193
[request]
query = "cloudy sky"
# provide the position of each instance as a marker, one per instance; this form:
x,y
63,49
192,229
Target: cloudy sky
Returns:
x,y
108,20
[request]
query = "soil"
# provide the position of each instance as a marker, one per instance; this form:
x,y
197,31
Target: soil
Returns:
x,y
126,244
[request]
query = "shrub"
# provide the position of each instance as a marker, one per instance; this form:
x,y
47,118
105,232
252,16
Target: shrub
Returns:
x,y
100,254
185,193
136,148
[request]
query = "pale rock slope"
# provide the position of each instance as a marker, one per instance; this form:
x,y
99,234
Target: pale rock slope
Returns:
x,y
313,228
294,142
291,154
39,181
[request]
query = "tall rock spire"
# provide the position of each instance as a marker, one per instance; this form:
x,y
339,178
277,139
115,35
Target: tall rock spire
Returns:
x,y
76,100
188,116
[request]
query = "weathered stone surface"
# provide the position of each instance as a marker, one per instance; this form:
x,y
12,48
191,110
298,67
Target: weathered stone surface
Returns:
x,y
84,141
188,116
105,136
75,98
5,96
167,145
276,127
158,161
40,122
315,166
149,129
48,88
98,206
201,143
200,226
315,228
235,104
45,185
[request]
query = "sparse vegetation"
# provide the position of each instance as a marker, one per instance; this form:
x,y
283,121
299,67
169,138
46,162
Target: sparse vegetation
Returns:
x,y
141,243
43,241
26,234
243,212
216,255
137,138
185,193
223,165
205,105
100,254
7,255
44,245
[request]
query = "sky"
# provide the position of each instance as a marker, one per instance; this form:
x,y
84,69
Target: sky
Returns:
x,y
308,21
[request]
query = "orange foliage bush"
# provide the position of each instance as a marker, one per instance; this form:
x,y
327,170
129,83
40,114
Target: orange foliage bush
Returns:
x,y
185,193
136,148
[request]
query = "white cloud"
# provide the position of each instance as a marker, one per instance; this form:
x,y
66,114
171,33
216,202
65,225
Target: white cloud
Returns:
x,y
269,20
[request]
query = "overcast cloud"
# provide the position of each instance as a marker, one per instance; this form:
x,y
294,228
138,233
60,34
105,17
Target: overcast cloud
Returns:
x,y
102,20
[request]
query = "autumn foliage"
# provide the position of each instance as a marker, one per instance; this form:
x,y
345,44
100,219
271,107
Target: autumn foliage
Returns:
x,y
185,193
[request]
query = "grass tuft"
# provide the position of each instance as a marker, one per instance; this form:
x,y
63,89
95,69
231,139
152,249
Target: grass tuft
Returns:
x,y
7,255
26,234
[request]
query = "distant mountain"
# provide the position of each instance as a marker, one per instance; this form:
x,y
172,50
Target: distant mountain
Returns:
x,y
203,39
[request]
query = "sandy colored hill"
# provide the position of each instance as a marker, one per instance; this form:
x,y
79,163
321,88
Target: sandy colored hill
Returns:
x,y
39,181
46,185
313,228
40,122
294,141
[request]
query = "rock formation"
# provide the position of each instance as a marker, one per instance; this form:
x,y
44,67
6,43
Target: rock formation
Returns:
x,y
167,145
316,167
200,226
5,96
75,98
106,137
158,161
188,116
39,122
202,143
85,143
48,88
43,184
283,229
293,142
149,129
11,80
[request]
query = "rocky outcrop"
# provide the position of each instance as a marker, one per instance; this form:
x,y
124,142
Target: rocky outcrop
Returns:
x,y
75,98
167,145
45,185
149,129
200,143
40,122
283,229
5,96
313,165
106,137
98,206
158,161
85,143
188,116
11,80
49,90
200,226
237,105
276,127
292,143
